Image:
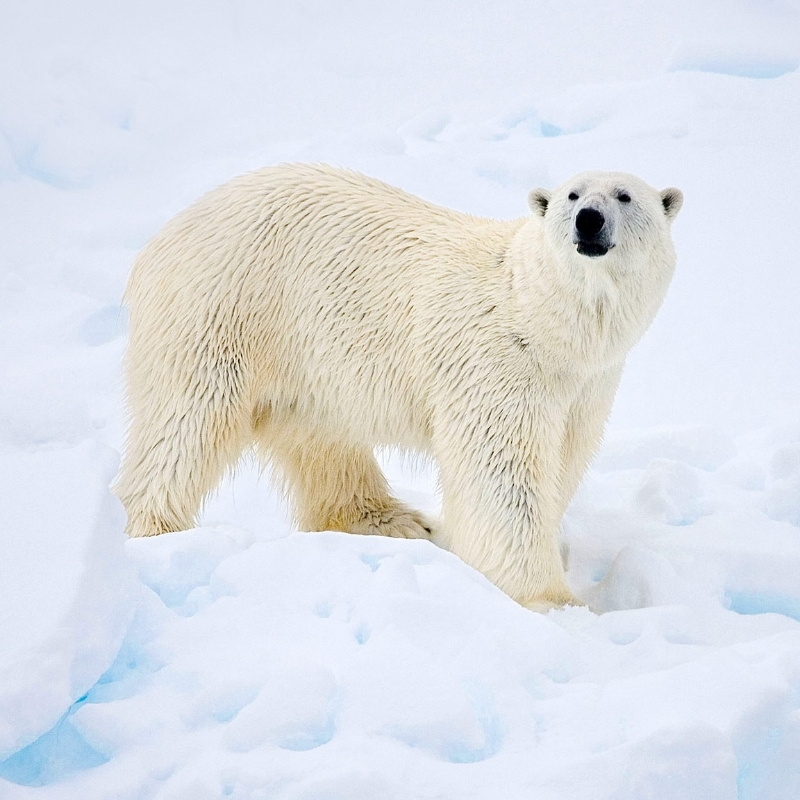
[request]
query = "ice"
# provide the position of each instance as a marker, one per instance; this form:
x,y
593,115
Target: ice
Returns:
x,y
243,659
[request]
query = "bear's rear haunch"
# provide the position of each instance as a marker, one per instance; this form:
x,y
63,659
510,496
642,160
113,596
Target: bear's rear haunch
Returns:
x,y
314,314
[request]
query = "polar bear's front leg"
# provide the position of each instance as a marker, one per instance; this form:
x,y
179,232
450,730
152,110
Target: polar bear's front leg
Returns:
x,y
584,431
500,470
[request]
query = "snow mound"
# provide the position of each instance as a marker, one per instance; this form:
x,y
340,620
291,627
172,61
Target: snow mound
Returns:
x,y
333,665
702,447
68,591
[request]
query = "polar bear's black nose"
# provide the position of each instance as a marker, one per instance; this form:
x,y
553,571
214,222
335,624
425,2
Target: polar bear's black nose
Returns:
x,y
589,222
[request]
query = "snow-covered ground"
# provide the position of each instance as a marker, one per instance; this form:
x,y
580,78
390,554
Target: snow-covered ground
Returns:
x,y
244,660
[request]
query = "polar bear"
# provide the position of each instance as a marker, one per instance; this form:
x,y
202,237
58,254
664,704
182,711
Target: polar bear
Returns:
x,y
314,313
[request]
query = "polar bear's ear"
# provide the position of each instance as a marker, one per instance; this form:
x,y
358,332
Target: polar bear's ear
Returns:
x,y
538,200
672,200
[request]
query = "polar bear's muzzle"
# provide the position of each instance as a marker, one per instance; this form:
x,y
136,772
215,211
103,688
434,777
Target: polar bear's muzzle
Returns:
x,y
592,232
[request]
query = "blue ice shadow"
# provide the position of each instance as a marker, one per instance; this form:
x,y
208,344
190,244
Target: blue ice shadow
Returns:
x,y
763,768
763,603
188,570
739,68
548,129
314,736
26,159
55,755
372,560
63,751
362,634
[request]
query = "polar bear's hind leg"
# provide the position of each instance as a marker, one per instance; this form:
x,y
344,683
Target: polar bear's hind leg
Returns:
x,y
180,444
335,485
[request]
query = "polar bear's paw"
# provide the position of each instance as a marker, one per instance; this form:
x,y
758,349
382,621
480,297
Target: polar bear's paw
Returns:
x,y
555,598
142,525
397,521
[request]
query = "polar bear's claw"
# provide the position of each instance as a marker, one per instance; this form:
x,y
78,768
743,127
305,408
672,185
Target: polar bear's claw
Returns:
x,y
399,523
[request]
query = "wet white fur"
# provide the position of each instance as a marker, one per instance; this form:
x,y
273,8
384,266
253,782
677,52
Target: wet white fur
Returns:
x,y
316,313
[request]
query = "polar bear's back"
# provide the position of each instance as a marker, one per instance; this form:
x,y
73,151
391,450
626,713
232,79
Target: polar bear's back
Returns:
x,y
326,284
312,215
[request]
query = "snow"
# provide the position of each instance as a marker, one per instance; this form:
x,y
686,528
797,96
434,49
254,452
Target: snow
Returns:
x,y
59,584
242,659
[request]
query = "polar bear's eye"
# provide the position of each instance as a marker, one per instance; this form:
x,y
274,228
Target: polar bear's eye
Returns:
x,y
624,197
573,195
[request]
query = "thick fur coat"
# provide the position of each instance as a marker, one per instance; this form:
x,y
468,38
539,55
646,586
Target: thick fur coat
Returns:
x,y
315,313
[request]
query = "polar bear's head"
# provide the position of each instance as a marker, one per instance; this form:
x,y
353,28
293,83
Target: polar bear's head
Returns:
x,y
606,215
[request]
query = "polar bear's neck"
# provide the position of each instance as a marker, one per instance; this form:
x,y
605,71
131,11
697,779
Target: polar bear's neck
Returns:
x,y
582,314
